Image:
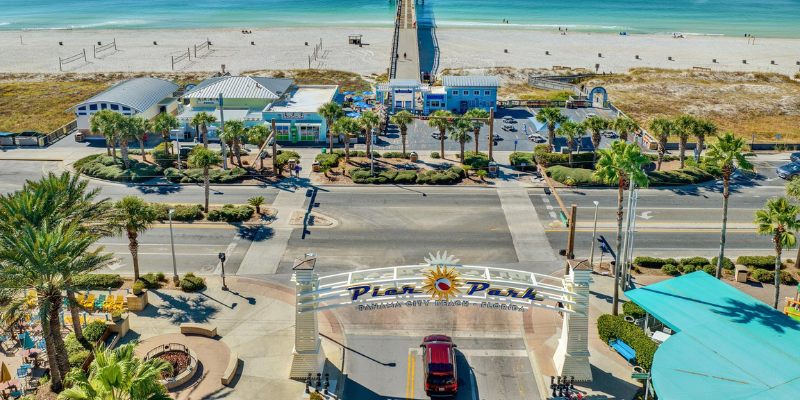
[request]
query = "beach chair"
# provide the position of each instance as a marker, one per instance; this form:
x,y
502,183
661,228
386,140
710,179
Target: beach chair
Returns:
x,y
109,303
98,304
89,303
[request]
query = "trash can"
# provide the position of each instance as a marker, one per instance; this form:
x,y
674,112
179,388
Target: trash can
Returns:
x,y
79,136
324,150
741,273
315,166
492,169
413,156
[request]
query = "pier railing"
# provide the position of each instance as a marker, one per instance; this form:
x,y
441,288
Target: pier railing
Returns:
x,y
395,41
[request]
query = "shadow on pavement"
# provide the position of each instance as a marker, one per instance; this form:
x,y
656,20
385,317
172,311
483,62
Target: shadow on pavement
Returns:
x,y
180,309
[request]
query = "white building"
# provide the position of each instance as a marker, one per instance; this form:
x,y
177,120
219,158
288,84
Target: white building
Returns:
x,y
145,97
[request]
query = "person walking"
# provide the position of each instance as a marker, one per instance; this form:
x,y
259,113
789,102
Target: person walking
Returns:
x,y
297,169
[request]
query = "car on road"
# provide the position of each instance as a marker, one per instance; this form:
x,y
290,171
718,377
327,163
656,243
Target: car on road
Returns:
x,y
497,137
509,128
436,135
610,134
509,120
795,157
439,361
536,138
788,171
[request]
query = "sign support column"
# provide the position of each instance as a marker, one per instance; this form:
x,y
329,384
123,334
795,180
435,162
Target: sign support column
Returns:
x,y
307,356
571,357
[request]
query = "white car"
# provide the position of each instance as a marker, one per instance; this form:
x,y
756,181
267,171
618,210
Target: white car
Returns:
x,y
509,120
436,135
536,138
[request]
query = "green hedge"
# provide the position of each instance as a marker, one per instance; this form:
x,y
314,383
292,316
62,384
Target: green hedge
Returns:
x,y
633,309
435,155
764,262
185,213
612,327
231,213
726,263
328,160
395,154
97,281
195,175
765,276
518,157
476,160
192,283
696,261
103,167
572,176
653,262
357,153
671,270
151,280
94,330
686,176
450,176
543,157
76,353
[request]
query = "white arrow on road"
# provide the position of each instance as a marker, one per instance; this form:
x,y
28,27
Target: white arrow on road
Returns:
x,y
646,215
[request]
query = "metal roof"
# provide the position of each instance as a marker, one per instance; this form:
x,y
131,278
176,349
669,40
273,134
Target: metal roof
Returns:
x,y
470,81
139,94
728,344
240,87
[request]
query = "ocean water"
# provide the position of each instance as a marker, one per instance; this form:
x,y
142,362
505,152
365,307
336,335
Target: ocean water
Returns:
x,y
762,18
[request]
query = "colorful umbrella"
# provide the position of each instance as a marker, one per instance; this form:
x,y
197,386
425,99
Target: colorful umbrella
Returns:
x,y
27,342
348,93
368,93
357,98
353,114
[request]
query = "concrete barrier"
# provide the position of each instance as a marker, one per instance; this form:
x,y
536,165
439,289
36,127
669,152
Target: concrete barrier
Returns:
x,y
230,371
199,329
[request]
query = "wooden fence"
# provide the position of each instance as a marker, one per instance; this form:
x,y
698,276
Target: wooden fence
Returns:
x,y
181,57
73,58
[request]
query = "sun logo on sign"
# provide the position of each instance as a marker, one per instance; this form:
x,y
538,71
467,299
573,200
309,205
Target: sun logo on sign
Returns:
x,y
441,283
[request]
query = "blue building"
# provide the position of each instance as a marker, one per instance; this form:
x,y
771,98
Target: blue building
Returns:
x,y
466,92
457,94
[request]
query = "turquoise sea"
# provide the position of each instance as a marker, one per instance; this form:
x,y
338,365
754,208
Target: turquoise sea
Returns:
x,y
763,18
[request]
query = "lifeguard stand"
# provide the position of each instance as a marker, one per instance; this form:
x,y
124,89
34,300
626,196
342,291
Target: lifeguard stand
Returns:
x,y
354,39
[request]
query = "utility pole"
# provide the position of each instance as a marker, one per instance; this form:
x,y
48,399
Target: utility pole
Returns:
x,y
594,235
571,239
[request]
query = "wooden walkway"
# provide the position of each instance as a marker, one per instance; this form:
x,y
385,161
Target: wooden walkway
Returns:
x,y
408,67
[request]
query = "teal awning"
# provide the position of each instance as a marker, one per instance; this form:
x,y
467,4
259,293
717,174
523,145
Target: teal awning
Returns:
x,y
727,345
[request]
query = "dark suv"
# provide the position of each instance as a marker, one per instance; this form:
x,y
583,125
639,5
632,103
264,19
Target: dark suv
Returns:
x,y
439,359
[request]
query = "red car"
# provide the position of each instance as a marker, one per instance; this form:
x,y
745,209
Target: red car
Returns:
x,y
439,359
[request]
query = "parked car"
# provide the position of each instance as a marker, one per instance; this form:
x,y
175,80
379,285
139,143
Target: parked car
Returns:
x,y
436,135
536,138
610,134
509,120
509,128
788,171
497,137
795,157
439,361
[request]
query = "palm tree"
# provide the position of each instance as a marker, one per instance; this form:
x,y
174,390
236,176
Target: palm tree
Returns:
x,y
459,131
663,129
141,128
203,120
106,122
46,258
258,135
205,159
703,129
477,115
127,130
118,375
233,132
572,132
441,120
596,125
256,201
347,127
368,121
621,164
402,119
624,127
552,117
133,216
685,127
331,111
727,155
163,123
778,219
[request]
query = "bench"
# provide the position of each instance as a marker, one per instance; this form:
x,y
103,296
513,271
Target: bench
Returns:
x,y
199,329
624,350
230,370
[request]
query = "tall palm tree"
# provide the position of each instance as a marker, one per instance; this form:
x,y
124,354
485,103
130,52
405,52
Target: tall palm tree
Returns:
x,y
127,131
46,258
349,128
232,133
119,375
662,128
203,120
778,219
163,123
624,127
331,111
402,119
204,158
106,122
571,131
552,117
141,128
133,216
441,120
258,135
368,121
596,125
685,127
459,131
621,164
703,129
727,155
478,117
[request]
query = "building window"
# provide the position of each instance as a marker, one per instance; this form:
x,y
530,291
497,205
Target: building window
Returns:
x,y
93,107
487,93
477,93
115,107
466,92
103,106
282,131
82,108
309,133
125,108
455,93
81,113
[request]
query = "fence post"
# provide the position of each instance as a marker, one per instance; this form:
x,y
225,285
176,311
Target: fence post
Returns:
x,y
84,56
173,63
59,65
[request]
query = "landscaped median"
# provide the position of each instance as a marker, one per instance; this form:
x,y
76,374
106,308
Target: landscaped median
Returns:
x,y
760,268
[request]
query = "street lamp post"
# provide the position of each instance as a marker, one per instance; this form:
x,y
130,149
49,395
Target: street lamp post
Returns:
x,y
594,234
172,244
222,261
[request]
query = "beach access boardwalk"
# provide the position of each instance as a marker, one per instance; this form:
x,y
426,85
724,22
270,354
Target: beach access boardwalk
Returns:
x,y
408,66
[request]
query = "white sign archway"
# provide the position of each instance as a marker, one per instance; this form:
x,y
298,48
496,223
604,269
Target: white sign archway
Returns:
x,y
442,282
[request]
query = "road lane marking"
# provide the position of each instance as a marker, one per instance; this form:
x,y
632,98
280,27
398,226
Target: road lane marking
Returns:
x,y
494,352
662,230
410,373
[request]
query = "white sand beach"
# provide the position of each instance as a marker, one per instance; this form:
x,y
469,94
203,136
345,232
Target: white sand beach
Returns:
x,y
284,48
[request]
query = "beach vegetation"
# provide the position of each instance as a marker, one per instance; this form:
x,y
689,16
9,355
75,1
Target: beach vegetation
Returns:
x,y
106,167
204,158
402,119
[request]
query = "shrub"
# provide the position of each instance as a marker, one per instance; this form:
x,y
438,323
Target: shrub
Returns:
x,y
103,167
476,160
543,157
653,262
150,281
763,262
138,287
435,155
97,281
162,158
726,263
394,154
185,213
695,261
686,176
192,283
762,275
448,177
611,327
516,158
572,176
633,309
787,278
231,213
687,269
284,156
406,177
328,160
77,358
195,175
94,331
710,269
670,269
